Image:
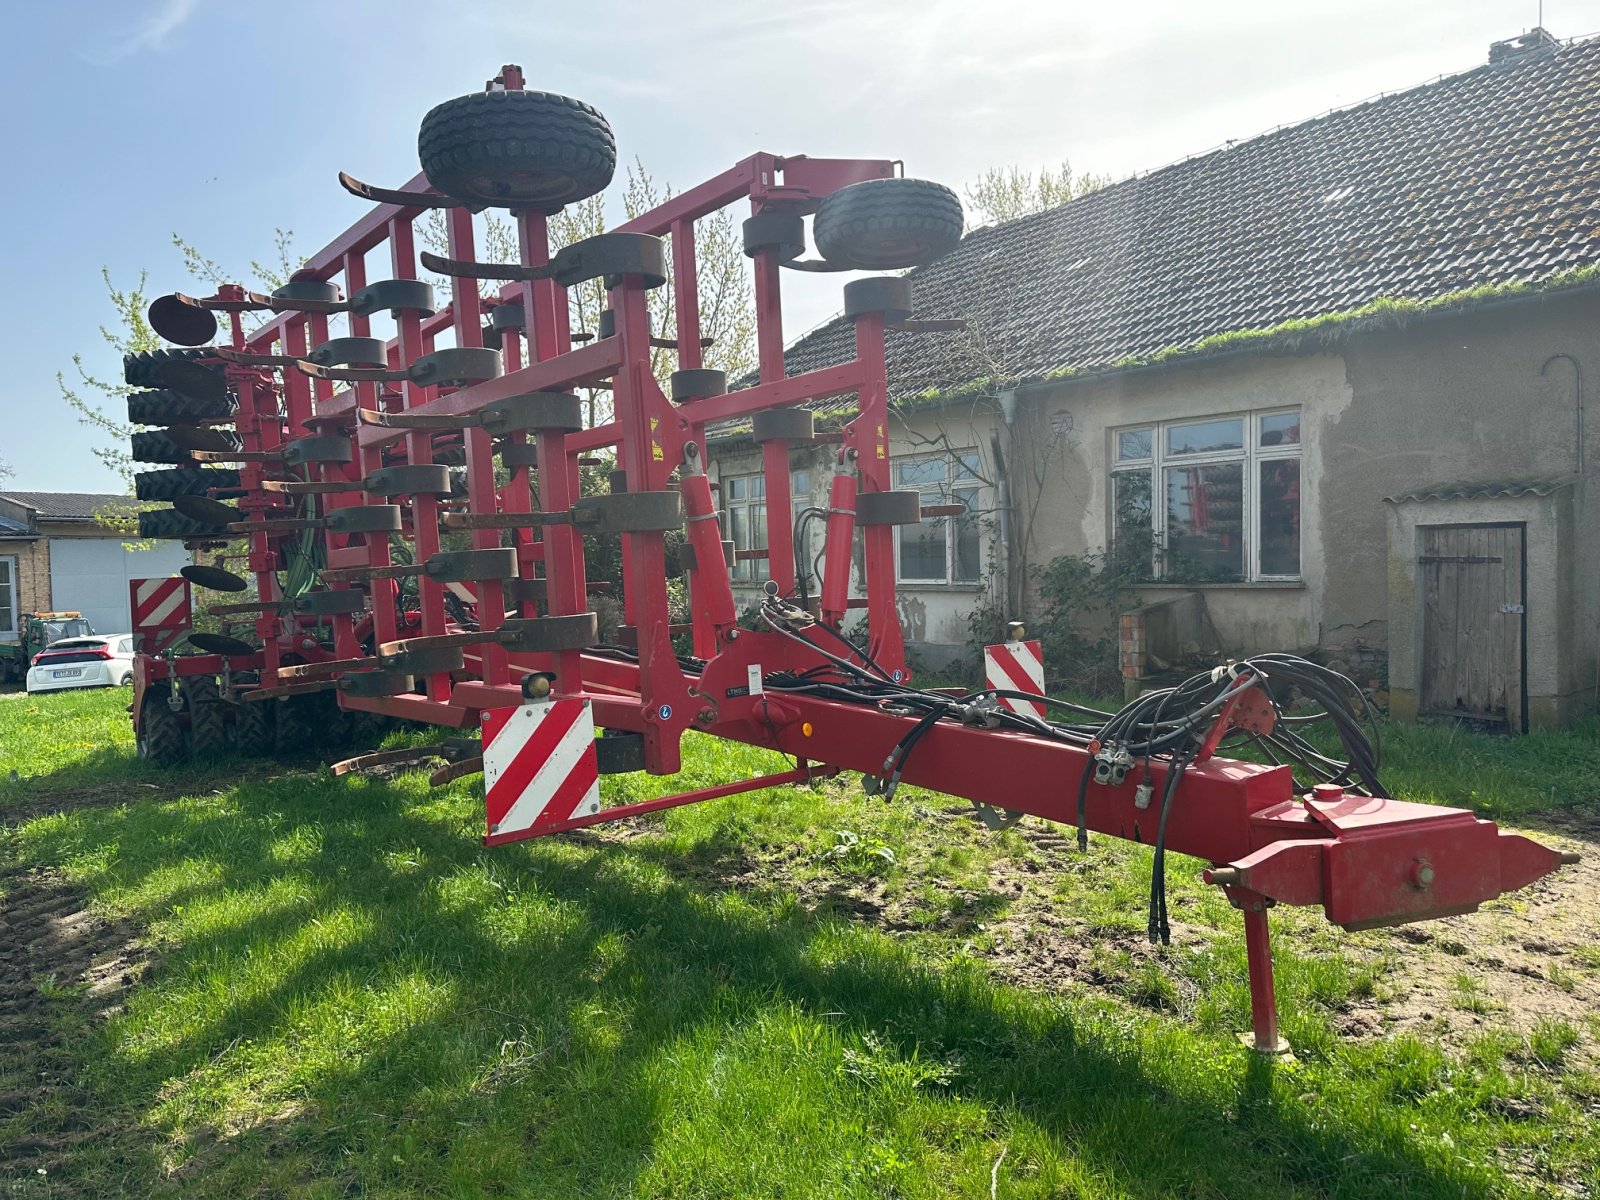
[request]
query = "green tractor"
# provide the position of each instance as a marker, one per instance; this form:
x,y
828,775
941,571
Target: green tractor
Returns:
x,y
38,631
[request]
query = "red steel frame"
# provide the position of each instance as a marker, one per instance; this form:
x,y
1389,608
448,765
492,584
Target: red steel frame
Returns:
x,y
1359,857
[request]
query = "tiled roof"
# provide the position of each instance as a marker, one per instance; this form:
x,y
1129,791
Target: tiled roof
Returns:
x,y
1487,177
1483,491
65,506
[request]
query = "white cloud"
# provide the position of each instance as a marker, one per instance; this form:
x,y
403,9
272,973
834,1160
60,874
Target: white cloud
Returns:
x,y
159,23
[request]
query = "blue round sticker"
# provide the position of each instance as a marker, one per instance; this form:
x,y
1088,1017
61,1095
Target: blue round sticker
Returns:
x,y
665,712
898,675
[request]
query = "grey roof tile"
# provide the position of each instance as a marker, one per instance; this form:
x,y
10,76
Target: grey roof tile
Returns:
x,y
1491,176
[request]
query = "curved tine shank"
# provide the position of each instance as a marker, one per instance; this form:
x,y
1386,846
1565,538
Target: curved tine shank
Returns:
x,y
381,195
464,269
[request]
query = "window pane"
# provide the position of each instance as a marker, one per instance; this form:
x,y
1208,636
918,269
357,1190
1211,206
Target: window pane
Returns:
x,y
800,483
922,550
758,486
1205,522
1205,437
966,469
7,625
736,488
1280,517
758,527
739,532
924,473
968,564
1132,524
1280,429
1135,444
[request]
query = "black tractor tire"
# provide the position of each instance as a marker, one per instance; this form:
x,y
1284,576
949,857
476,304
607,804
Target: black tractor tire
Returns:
x,y
160,739
154,446
252,729
182,481
173,408
295,727
167,523
517,149
141,368
208,719
887,224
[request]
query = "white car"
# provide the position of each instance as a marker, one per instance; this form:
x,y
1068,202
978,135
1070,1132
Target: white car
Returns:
x,y
104,660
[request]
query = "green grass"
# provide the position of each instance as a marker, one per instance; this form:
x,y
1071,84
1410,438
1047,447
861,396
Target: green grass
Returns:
x,y
354,997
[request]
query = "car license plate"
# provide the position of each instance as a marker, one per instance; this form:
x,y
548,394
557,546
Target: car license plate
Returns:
x,y
68,673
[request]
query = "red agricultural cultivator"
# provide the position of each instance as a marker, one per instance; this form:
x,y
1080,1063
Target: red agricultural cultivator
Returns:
x,y
415,514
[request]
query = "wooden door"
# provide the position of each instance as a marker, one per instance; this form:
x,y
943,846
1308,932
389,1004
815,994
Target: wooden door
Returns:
x,y
1474,610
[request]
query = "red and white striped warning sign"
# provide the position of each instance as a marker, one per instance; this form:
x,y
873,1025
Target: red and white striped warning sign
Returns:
x,y
1017,667
161,611
539,768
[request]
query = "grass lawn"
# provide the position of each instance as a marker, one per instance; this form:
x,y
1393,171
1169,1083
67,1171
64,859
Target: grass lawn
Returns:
x,y
797,993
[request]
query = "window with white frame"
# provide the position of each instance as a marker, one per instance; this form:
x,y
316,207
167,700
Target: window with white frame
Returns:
x,y
1211,500
744,500
942,549
8,595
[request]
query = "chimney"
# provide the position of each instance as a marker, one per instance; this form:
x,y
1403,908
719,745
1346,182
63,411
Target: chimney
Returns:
x,y
1537,40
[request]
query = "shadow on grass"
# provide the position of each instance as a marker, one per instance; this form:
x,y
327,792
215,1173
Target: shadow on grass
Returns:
x,y
599,962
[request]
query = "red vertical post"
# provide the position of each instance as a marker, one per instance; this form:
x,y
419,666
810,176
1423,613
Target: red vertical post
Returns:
x,y
1263,994
419,449
562,546
466,311
368,459
869,435
774,454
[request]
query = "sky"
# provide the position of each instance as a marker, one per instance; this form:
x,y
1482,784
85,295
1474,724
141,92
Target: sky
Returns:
x,y
137,119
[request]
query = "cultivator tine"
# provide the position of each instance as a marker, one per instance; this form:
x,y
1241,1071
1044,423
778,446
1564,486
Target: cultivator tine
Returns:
x,y
456,770
337,666
504,520
241,358
386,758
351,374
379,195
235,456
246,608
246,302
467,269
279,692
276,525
366,416
297,487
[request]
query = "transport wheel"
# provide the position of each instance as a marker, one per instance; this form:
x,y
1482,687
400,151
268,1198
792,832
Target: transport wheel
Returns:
x,y
252,729
517,149
208,722
182,481
164,407
160,739
886,224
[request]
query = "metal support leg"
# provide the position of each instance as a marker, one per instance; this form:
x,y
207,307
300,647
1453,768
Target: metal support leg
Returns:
x,y
1263,1037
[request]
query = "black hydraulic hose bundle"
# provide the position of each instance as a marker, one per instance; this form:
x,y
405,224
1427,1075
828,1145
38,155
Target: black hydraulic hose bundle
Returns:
x,y
1169,725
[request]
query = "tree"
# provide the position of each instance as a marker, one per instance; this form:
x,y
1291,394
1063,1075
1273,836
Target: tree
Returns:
x,y
727,308
1006,193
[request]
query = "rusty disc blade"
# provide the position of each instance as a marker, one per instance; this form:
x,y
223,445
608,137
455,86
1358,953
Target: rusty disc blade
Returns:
x,y
214,578
179,320
220,643
207,510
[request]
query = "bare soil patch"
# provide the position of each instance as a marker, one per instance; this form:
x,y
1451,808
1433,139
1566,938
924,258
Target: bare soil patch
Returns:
x,y
62,970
